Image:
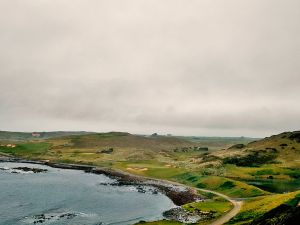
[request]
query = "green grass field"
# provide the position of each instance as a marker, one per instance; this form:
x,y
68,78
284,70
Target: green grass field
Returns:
x,y
223,185
27,150
217,205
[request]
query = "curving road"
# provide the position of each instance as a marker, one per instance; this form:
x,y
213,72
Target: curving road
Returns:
x,y
237,205
233,212
223,219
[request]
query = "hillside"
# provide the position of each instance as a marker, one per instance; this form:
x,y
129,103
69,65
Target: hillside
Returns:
x,y
272,163
277,209
126,140
117,147
24,136
100,147
217,143
282,149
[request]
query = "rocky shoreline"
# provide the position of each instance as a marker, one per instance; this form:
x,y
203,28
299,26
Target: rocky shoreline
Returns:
x,y
24,170
182,215
179,194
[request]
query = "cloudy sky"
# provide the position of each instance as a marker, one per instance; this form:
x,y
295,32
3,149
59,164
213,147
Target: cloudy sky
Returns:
x,y
196,67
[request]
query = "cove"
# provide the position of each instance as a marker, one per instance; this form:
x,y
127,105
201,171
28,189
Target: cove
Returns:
x,y
63,196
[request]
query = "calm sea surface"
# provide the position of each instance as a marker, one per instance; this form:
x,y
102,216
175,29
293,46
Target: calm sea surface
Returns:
x,y
61,197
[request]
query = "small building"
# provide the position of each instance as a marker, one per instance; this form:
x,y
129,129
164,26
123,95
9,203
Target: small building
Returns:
x,y
35,134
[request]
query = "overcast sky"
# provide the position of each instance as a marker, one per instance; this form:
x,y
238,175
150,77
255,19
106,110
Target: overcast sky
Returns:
x,y
188,67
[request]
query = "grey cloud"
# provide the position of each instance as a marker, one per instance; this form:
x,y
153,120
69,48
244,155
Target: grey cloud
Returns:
x,y
183,67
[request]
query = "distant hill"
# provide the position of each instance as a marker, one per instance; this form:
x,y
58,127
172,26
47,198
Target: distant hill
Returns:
x,y
24,136
124,140
283,148
217,143
93,147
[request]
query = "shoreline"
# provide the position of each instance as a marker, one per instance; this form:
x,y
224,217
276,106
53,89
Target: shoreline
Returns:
x,y
179,194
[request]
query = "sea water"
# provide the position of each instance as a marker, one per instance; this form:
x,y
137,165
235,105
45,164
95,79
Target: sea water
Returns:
x,y
73,197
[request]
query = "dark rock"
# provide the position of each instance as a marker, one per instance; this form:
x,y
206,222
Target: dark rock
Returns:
x,y
27,169
85,168
178,196
209,158
201,148
42,218
283,145
185,216
107,151
237,146
274,149
141,189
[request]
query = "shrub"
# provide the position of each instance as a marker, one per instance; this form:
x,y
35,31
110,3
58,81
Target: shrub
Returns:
x,y
254,158
227,185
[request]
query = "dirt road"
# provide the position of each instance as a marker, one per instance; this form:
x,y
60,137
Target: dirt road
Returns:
x,y
233,212
223,219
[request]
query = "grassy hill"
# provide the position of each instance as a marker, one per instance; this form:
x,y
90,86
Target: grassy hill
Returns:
x,y
126,140
117,146
97,147
217,143
282,149
286,145
270,210
24,136
270,162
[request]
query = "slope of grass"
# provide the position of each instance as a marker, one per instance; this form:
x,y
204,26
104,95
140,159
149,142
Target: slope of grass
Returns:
x,y
27,150
223,185
217,205
121,140
287,146
256,207
217,143
262,172
150,168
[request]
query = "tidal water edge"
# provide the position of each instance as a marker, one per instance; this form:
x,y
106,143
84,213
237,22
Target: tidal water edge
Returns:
x,y
62,196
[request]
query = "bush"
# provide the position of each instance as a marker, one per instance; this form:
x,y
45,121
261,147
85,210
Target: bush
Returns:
x,y
265,172
227,185
200,185
254,158
237,146
283,145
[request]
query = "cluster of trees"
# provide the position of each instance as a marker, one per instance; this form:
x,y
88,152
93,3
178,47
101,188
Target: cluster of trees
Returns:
x,y
189,149
107,151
